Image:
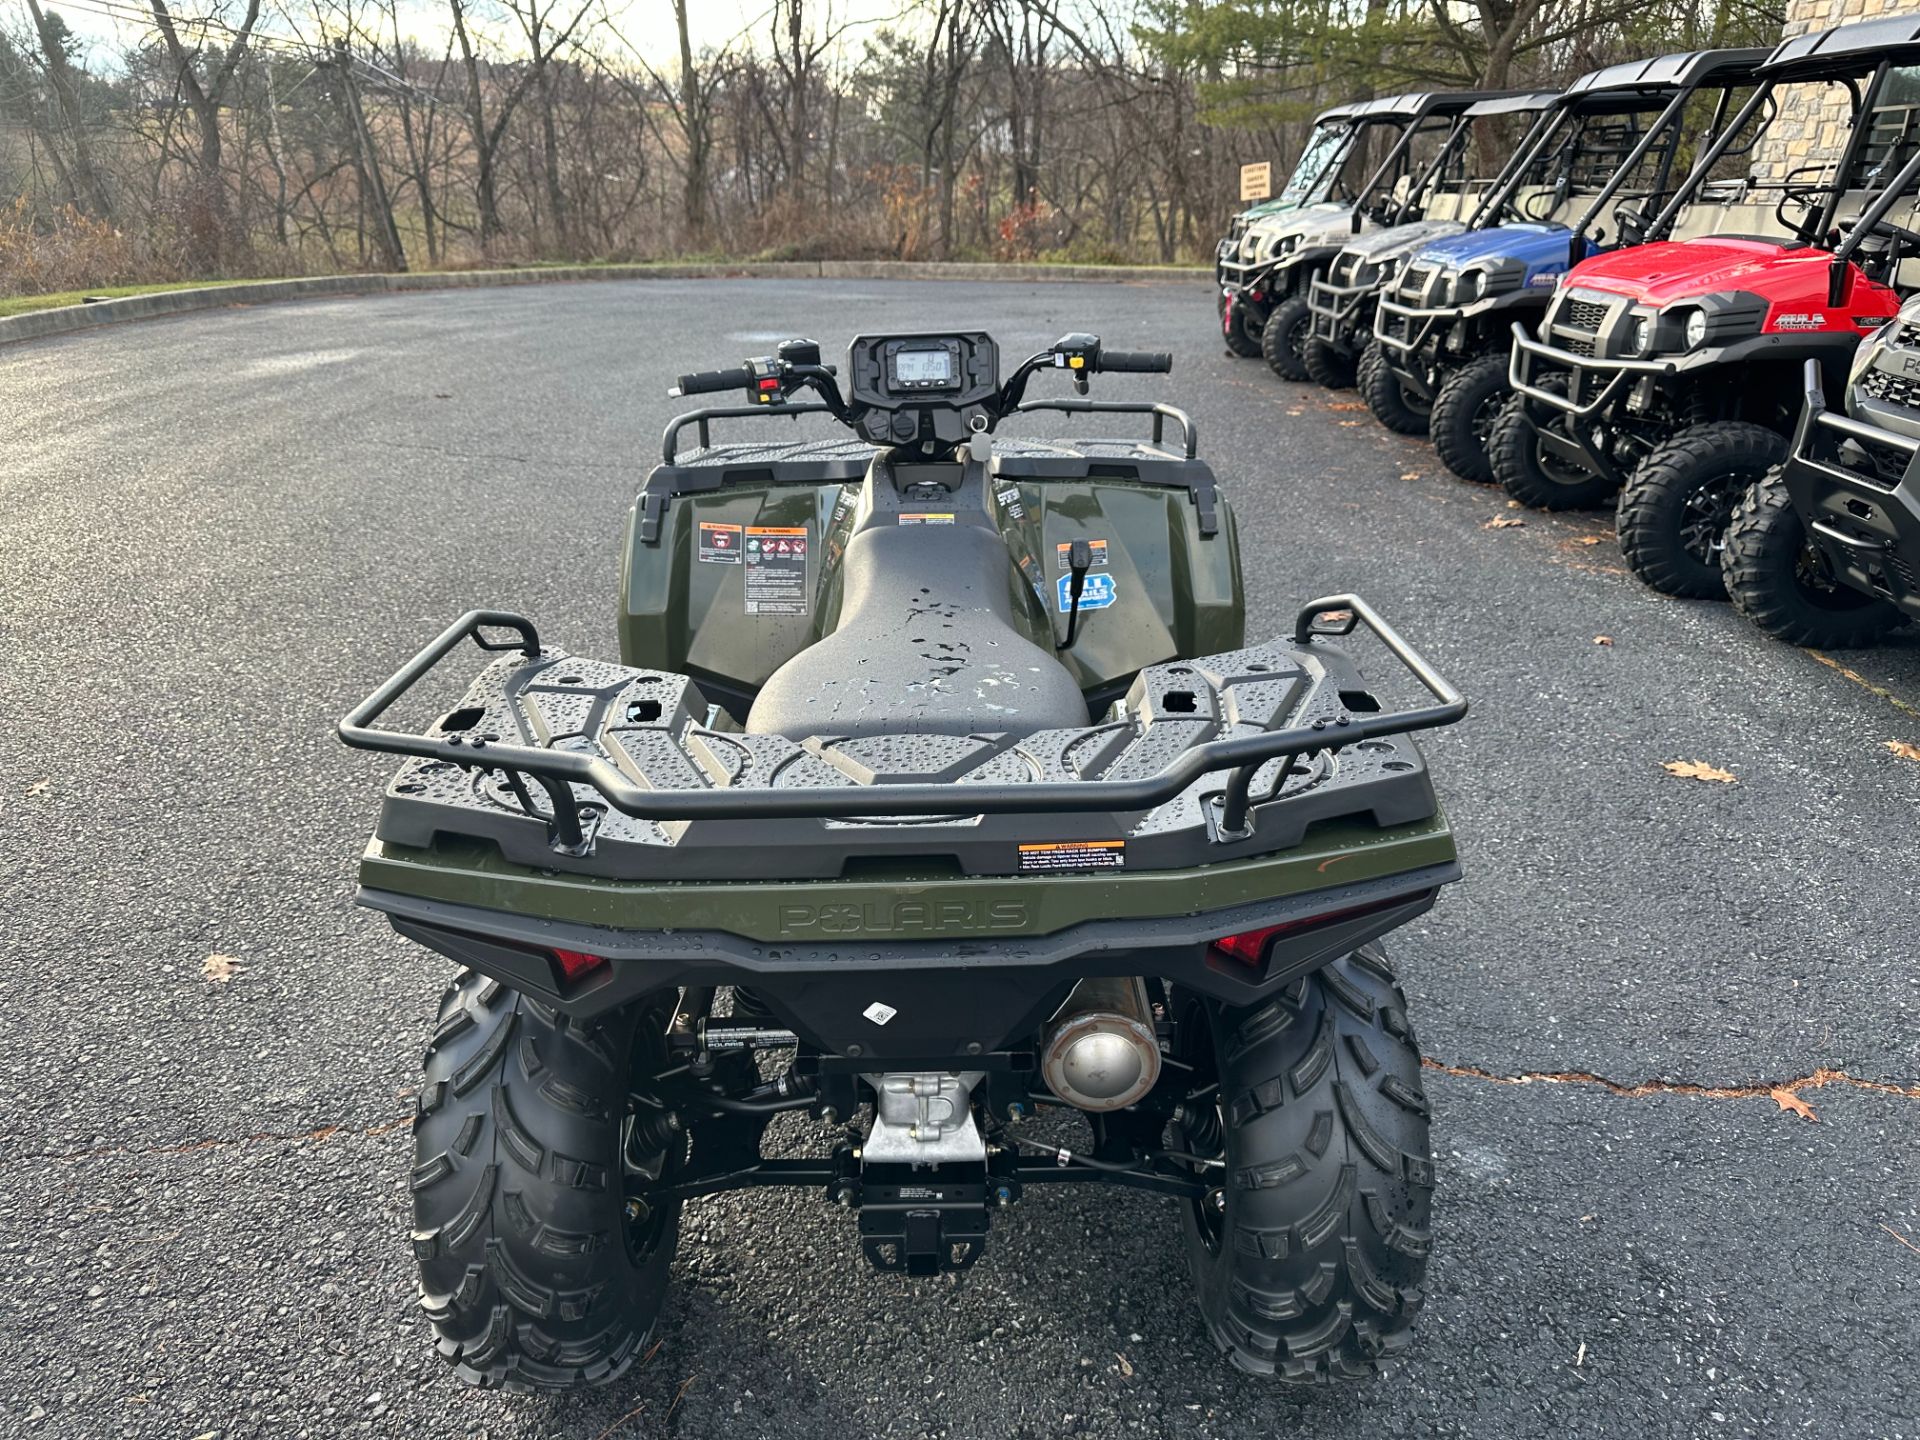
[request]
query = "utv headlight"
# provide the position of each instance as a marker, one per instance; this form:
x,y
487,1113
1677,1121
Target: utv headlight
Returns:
x,y
1640,337
1469,287
1696,332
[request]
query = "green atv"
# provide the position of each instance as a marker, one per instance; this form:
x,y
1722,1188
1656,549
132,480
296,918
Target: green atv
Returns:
x,y
938,793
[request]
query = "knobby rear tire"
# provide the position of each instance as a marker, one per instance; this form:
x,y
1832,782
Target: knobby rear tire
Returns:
x,y
531,1270
1313,1263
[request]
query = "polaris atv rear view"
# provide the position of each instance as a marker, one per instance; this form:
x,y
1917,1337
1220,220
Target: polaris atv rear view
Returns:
x,y
1266,284
939,797
1826,550
1445,327
1441,202
1672,374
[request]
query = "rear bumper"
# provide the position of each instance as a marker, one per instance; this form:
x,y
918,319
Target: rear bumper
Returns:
x,y
1867,526
946,957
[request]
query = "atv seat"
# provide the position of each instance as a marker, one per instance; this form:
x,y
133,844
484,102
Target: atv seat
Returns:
x,y
926,644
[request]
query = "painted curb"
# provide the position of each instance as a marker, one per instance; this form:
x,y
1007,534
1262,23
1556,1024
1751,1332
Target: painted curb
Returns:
x,y
68,318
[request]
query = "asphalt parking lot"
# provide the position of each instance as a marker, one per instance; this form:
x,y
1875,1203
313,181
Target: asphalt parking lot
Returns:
x,y
217,532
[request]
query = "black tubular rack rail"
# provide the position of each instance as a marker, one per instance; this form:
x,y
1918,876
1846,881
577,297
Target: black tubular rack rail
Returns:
x,y
557,771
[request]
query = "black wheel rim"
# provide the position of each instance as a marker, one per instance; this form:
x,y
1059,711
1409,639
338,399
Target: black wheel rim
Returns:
x,y
1484,414
1705,513
1298,336
1552,468
1416,403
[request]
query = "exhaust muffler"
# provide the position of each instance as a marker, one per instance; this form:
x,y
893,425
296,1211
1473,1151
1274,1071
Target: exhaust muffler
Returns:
x,y
1099,1051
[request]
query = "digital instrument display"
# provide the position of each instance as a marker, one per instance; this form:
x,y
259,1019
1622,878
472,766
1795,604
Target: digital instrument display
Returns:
x,y
924,367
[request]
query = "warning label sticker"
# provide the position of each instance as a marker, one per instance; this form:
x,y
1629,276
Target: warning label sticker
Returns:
x,y
926,517
776,560
1010,502
719,544
1099,548
1074,855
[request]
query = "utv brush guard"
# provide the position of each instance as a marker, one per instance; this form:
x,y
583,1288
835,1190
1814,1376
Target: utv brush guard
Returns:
x,y
1857,486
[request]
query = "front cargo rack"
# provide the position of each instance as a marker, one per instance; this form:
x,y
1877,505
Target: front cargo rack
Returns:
x,y
1269,720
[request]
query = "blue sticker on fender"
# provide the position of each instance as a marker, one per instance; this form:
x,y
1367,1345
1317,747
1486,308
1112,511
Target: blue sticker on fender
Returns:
x,y
1098,594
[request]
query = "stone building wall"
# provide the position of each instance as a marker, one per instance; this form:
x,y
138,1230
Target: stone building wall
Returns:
x,y
1813,122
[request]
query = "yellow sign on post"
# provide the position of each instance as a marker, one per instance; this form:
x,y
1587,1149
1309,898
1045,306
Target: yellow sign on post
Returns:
x,y
1256,181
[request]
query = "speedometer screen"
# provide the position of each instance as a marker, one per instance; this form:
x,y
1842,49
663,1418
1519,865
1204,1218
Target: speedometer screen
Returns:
x,y
924,367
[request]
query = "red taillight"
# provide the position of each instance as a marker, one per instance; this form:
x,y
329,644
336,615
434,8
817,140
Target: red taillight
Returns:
x,y
1250,946
573,964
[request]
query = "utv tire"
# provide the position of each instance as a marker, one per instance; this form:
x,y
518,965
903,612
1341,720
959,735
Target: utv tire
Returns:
x,y
1390,401
1464,410
1782,583
1328,367
1675,508
532,1270
1310,1258
1241,342
1284,338
1532,475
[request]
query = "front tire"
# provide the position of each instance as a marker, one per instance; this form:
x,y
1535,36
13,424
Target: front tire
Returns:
x,y
1243,339
1781,581
1327,365
1463,414
539,1269
1532,474
1392,403
1283,339
1675,507
1310,1256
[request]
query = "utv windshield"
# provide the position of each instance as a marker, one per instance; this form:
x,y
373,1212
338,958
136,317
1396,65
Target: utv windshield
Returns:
x,y
1319,163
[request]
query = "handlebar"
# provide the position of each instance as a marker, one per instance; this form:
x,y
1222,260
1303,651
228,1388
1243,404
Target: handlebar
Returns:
x,y
1136,362
703,382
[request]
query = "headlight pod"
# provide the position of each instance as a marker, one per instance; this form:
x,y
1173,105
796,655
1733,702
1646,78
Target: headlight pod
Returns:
x,y
1469,287
1640,335
1695,332
1283,245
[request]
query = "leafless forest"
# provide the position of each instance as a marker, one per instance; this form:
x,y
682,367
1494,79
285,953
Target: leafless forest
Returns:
x,y
262,137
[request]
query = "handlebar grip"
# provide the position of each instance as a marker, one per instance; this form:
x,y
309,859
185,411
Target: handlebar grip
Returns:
x,y
1140,362
704,381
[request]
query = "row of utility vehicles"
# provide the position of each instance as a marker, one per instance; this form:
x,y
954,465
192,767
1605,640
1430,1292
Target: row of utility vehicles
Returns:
x,y
1675,287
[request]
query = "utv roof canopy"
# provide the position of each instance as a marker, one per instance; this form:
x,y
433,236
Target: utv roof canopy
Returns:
x,y
1526,103
1846,49
1418,104
1679,70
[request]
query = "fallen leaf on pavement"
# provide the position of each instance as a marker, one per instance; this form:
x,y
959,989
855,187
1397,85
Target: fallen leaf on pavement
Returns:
x,y
1588,540
1126,1365
1606,640
1898,747
1411,475
1787,1100
1697,770
39,787
1503,522
1513,504
1348,405
221,968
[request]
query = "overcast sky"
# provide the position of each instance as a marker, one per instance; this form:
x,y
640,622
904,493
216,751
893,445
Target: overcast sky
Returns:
x,y
646,24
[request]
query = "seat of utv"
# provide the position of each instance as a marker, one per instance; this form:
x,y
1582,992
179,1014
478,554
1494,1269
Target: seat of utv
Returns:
x,y
926,644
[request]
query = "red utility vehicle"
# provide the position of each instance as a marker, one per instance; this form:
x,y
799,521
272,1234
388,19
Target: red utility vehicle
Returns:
x,y
1672,372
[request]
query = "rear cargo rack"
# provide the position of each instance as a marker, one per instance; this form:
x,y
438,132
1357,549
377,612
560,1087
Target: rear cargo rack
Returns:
x,y
556,771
